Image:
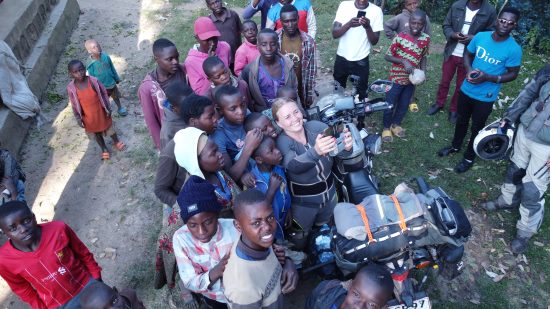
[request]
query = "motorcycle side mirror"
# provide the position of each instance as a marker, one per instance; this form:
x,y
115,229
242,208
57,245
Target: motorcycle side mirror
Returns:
x,y
381,86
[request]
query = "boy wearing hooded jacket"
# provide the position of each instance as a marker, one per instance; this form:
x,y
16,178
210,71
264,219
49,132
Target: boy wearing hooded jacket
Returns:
x,y
208,44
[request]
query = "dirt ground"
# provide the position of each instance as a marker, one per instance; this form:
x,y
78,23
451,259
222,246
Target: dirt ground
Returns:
x,y
111,205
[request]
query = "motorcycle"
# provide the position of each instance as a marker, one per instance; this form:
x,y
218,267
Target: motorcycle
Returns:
x,y
442,231
431,243
353,172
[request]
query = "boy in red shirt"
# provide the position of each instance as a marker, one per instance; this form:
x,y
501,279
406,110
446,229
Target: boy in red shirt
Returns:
x,y
46,265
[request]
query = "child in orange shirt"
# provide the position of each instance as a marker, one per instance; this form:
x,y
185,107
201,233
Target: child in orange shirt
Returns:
x,y
90,104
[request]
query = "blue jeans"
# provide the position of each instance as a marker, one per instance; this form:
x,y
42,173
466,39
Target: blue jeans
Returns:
x,y
399,96
74,303
263,7
20,186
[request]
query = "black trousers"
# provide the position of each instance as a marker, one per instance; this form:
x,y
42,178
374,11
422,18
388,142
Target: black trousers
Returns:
x,y
478,111
344,68
212,304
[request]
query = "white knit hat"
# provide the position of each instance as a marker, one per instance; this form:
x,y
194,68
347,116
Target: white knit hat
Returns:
x,y
189,142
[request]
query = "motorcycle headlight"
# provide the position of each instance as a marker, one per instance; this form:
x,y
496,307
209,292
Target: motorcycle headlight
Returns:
x,y
373,142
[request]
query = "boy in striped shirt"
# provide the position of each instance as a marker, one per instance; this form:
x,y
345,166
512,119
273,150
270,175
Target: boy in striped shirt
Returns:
x,y
406,53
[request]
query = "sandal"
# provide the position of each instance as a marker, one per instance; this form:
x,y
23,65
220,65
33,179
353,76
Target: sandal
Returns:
x,y
120,146
397,131
413,107
105,156
387,136
122,111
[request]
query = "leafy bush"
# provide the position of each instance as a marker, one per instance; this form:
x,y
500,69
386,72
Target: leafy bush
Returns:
x,y
534,25
533,30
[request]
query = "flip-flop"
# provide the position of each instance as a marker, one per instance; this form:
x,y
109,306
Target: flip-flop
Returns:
x,y
398,131
120,146
122,111
105,156
413,107
387,136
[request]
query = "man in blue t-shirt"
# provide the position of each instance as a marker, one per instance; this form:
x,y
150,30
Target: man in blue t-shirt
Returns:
x,y
491,58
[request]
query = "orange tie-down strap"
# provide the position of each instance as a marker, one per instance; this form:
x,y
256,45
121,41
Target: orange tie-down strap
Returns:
x,y
365,222
402,223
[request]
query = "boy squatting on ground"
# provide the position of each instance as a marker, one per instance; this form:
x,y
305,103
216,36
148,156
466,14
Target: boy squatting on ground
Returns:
x,y
372,287
46,265
98,295
203,244
253,276
91,107
407,51
100,66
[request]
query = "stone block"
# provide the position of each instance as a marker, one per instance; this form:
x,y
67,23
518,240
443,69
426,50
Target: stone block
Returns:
x,y
37,32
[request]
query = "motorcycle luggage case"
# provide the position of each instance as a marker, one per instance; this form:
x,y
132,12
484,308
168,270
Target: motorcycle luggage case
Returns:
x,y
389,242
449,216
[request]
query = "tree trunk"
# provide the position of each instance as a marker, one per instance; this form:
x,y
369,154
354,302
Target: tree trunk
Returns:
x,y
382,4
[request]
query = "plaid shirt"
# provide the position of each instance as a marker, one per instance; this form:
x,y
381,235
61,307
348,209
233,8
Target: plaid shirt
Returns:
x,y
309,63
195,259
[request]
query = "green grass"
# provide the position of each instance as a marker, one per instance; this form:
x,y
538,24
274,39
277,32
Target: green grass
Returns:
x,y
416,156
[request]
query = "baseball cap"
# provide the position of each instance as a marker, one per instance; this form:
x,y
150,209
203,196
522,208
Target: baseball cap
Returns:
x,y
205,28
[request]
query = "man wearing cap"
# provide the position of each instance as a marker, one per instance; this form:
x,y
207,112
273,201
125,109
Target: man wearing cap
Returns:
x,y
207,36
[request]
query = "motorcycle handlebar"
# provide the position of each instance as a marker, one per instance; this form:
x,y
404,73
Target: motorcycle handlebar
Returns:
x,y
377,107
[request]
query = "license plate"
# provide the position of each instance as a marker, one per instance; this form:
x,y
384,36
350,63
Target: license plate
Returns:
x,y
422,303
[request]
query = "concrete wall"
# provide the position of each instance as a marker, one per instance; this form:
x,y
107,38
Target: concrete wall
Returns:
x,y
37,31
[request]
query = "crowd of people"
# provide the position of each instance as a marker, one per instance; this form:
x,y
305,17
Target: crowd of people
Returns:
x,y
243,177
